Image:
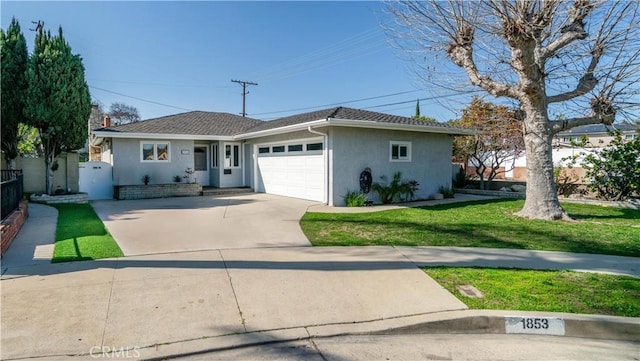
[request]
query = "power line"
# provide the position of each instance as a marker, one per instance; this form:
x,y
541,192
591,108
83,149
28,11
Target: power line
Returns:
x,y
427,98
339,103
141,99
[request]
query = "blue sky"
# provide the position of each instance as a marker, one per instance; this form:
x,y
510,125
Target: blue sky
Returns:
x,y
184,54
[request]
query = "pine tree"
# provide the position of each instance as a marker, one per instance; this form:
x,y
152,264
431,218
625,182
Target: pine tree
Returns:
x,y
14,84
58,103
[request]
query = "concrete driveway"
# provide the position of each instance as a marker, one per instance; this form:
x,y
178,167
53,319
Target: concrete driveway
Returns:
x,y
255,220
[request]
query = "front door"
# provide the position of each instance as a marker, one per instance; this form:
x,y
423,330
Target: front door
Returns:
x,y
201,164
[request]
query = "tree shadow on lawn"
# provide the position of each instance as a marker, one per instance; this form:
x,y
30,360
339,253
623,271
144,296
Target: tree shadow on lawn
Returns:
x,y
621,213
461,234
449,206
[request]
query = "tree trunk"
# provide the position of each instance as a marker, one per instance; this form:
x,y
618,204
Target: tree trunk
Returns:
x,y
11,163
49,159
541,194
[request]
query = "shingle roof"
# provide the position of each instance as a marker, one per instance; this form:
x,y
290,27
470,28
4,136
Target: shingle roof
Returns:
x,y
599,128
192,123
225,124
345,113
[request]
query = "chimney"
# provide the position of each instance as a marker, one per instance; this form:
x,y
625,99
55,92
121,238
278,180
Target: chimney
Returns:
x,y
106,123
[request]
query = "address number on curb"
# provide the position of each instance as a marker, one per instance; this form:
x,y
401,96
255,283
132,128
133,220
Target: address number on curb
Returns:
x,y
534,325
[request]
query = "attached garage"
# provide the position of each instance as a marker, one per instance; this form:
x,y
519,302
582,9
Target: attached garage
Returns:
x,y
292,169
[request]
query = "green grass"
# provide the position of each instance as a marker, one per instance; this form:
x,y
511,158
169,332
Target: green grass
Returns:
x,y
80,235
602,230
553,291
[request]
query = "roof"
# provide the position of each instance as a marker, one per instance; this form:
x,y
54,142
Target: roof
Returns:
x,y
191,123
598,128
347,114
210,124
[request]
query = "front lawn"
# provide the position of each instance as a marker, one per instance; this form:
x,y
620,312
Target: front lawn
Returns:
x,y
488,223
80,235
552,291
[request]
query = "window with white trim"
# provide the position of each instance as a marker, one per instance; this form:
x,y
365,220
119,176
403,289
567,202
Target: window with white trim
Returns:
x,y
214,156
232,155
399,151
155,151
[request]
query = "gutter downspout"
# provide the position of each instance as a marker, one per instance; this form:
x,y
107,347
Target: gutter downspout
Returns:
x,y
328,200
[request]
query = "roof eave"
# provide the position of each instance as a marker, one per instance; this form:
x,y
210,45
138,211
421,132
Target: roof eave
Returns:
x,y
398,126
128,135
282,130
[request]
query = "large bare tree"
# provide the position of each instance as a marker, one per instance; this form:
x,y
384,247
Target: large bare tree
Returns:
x,y
580,59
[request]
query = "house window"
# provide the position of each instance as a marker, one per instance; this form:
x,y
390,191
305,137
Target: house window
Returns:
x,y
295,148
263,150
399,151
630,136
232,155
278,149
214,156
569,139
314,146
154,152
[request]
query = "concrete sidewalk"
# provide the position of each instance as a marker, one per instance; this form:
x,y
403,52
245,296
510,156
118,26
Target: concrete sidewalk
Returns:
x,y
139,302
33,245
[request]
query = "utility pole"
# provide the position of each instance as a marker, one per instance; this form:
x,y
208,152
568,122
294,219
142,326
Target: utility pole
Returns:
x,y
244,93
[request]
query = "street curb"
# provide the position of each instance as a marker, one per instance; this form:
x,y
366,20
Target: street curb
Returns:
x,y
493,322
449,322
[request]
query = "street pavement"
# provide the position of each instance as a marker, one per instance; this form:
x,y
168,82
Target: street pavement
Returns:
x,y
163,304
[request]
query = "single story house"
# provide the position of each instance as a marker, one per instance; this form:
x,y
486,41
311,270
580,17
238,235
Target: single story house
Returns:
x,y
317,155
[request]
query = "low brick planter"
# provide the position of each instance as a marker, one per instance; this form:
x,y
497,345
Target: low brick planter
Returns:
x,y
12,224
157,191
77,198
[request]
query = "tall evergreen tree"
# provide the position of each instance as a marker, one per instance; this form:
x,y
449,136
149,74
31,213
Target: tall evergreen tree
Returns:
x,y
58,103
417,109
14,85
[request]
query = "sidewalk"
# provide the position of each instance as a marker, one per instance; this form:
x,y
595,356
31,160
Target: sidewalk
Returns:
x,y
177,303
34,243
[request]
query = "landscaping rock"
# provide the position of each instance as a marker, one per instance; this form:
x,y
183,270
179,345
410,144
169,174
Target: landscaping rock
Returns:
x,y
504,189
518,188
437,196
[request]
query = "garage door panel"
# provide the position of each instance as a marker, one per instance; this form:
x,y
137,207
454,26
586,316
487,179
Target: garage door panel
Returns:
x,y
297,175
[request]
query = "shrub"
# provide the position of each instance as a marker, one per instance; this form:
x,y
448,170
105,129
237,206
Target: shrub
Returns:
x,y
397,190
447,192
614,173
462,179
566,181
355,199
177,179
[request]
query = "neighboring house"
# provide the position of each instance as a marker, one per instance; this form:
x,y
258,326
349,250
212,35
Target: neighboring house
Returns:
x,y
597,137
596,134
317,156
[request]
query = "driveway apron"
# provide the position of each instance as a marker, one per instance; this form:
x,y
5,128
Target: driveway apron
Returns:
x,y
166,225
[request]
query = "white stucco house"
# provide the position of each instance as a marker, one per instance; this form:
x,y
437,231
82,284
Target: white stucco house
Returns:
x,y
317,155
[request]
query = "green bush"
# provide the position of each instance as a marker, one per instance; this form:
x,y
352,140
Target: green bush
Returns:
x,y
614,173
462,179
447,192
397,190
566,181
355,199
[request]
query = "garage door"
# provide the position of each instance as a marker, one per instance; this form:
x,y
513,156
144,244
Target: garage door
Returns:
x,y
292,170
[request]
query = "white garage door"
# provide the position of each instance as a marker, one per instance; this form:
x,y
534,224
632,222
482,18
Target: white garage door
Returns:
x,y
292,170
